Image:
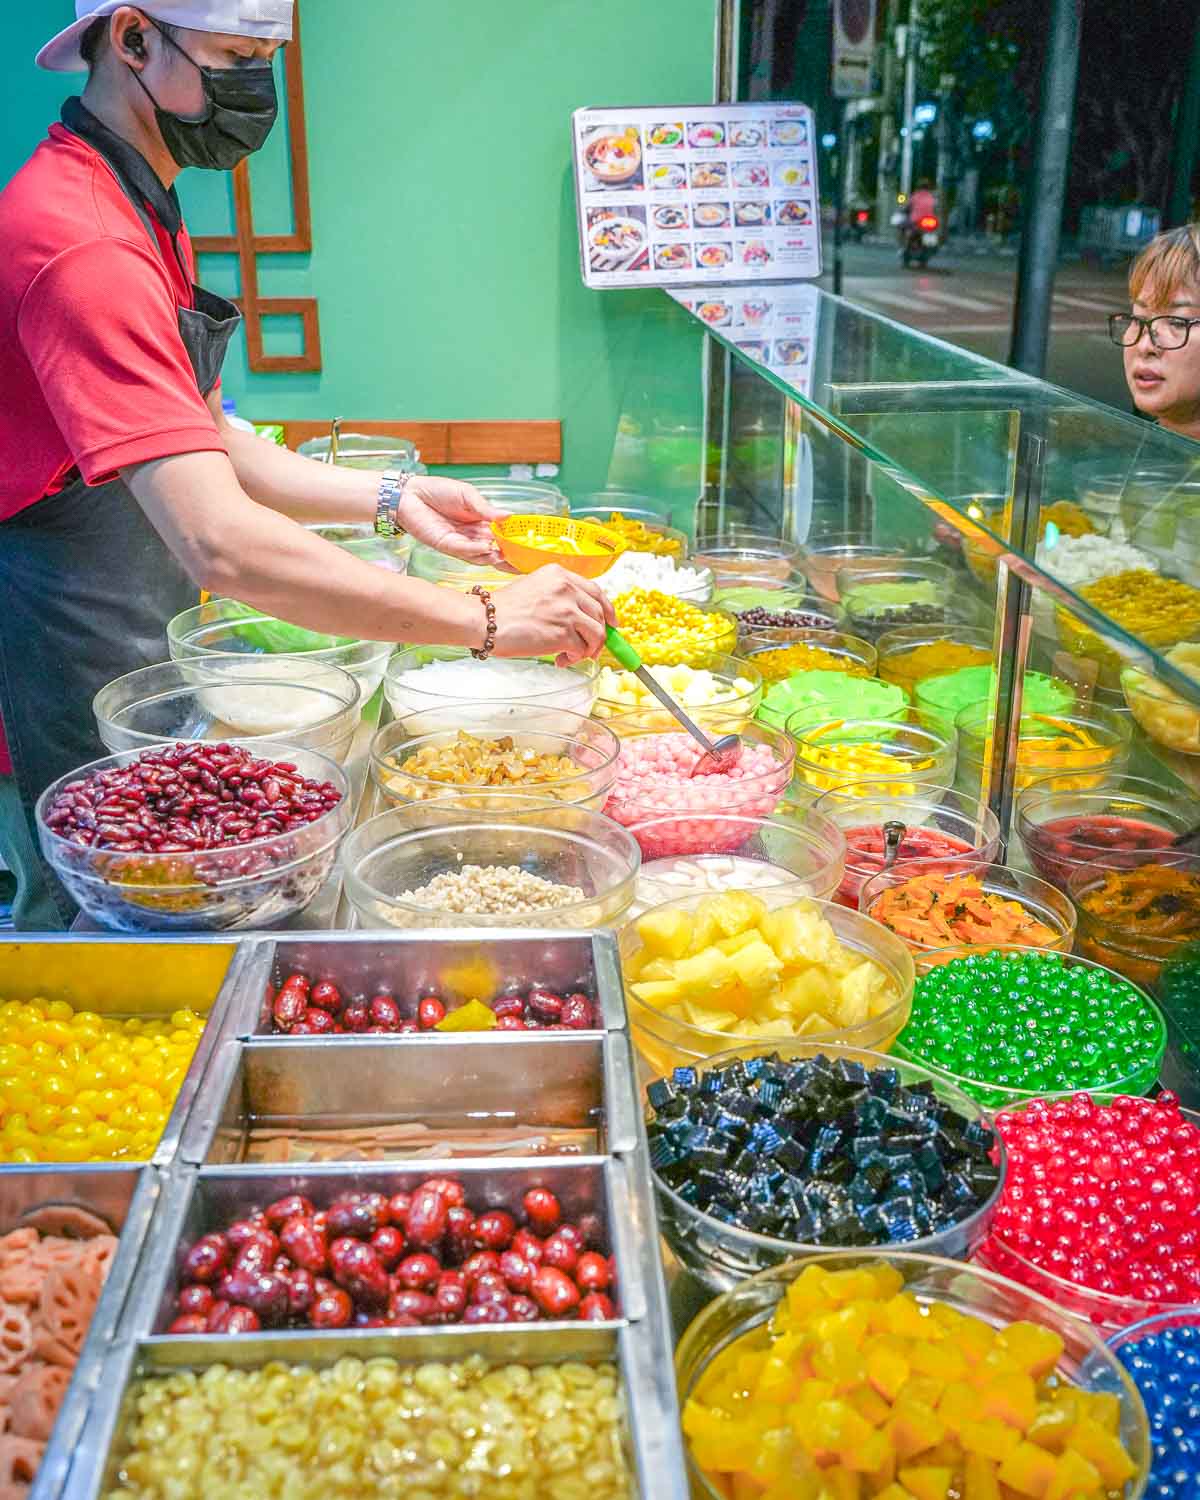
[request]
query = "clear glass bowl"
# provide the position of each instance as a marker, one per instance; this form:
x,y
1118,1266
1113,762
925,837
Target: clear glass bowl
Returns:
x,y
896,647
842,552
1167,717
664,539
1111,816
356,450
807,855
592,748
1005,1096
866,806
668,650
225,627
666,1041
832,754
1041,900
364,542
827,694
859,655
741,595
1107,1312
736,554
646,714
721,1255
868,615
573,688
758,795
246,886
943,698
1121,942
1086,1362
448,572
402,850
252,699
619,577
1078,766
518,497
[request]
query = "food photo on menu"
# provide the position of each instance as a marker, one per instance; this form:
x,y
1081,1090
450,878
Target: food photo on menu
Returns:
x,y
792,174
755,253
715,314
711,215
788,133
749,214
713,257
793,211
671,216
617,239
706,134
790,352
613,156
749,135
673,257
710,174
751,174
754,310
667,177
666,135
756,349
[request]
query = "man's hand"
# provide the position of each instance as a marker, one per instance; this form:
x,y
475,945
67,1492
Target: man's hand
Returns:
x,y
450,516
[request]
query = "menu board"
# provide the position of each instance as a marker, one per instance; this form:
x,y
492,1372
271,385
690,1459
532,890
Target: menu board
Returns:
x,y
677,196
773,325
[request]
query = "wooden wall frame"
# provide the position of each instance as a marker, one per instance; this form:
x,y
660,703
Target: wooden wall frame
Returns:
x,y
248,246
454,442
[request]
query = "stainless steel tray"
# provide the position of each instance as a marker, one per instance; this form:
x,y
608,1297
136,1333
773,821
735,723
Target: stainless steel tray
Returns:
x,y
579,1081
125,1198
452,964
654,1446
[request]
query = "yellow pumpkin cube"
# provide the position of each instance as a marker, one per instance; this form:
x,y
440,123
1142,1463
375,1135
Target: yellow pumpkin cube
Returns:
x,y
980,1481
913,1428
974,1339
1029,1470
991,1437
906,1318
1011,1398
887,1371
1102,1449
958,1405
1075,1479
932,1483
1034,1348
868,1403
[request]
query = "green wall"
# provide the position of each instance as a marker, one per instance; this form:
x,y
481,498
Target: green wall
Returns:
x,y
446,260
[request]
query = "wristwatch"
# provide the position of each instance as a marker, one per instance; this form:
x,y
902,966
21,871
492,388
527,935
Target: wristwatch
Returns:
x,y
391,492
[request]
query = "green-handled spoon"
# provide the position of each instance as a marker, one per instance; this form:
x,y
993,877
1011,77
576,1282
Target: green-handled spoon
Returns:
x,y
719,754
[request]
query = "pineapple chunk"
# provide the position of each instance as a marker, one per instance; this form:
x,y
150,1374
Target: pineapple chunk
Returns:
x,y
815,1025
800,935
667,933
806,993
705,975
757,968
731,945
860,991
708,1018
658,993
732,912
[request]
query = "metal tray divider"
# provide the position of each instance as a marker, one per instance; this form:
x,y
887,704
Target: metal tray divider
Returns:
x,y
200,1127
610,988
627,1245
648,1375
247,996
621,1095
82,1471
157,1263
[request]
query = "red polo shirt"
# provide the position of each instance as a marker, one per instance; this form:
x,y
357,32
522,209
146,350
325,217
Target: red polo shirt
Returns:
x,y
93,372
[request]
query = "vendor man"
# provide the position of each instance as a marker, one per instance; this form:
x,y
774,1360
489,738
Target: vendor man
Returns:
x,y
123,491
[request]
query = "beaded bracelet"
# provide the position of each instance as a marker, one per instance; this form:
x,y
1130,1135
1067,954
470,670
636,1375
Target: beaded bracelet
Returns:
x,y
481,653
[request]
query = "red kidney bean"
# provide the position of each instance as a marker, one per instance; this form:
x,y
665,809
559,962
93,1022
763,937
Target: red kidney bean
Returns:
x,y
356,1016
331,1309
577,1013
596,1308
479,1264
528,1247
592,1272
388,1245
302,1291
189,1323
326,996
385,1012
306,1245
517,1271
426,1220
494,1230
542,1210
555,1293
430,1012
561,1252
418,1273
207,1259
283,1209
195,1299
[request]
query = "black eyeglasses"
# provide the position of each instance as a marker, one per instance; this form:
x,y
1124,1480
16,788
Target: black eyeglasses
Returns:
x,y
1166,331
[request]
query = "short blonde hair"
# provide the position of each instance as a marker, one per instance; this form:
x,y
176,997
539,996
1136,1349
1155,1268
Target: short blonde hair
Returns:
x,y
1167,262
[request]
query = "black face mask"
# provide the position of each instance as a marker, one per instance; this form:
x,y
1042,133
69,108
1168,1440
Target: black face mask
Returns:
x,y
243,106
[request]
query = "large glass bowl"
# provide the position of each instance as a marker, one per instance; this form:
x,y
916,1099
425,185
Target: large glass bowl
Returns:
x,y
254,885
746,1309
432,566
835,552
518,497
223,626
1170,1469
1039,899
869,615
864,807
832,754
623,702
668,650
403,849
667,1041
1119,825
943,697
631,801
311,704
736,554
1121,940
646,531
365,543
1097,747
743,591
721,1254
1004,1096
572,688
591,747
627,572
775,662
896,649
1165,715
356,450
806,854
1106,1311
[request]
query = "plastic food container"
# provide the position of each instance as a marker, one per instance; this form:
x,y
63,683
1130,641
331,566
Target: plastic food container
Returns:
x,y
258,884
1075,751
1086,1362
403,849
694,802
365,543
574,688
1121,942
867,806
807,854
646,714
1115,827
858,655
357,450
591,747
896,648
721,1255
735,554
1040,900
1003,1096
242,698
666,1041
1164,714
844,551
874,601
837,753
224,626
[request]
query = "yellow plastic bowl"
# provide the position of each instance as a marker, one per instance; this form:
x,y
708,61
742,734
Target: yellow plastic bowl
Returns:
x,y
528,542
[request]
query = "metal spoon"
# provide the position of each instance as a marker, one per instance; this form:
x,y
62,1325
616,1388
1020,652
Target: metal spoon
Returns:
x,y
719,755
893,837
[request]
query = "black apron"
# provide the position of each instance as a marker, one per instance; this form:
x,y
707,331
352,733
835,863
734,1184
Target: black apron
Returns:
x,y
87,586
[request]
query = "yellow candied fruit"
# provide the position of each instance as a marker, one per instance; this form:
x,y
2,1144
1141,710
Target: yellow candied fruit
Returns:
x,y
830,767
80,1087
776,1413
641,538
468,761
664,630
935,659
782,661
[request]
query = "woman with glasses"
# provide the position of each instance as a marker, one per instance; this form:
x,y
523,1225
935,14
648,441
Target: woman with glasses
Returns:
x,y
1162,359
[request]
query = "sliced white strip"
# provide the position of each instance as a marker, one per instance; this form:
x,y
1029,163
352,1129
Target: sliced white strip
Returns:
x,y
948,299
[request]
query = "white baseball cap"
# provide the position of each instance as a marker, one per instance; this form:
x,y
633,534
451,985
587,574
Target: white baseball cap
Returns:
x,y
270,20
